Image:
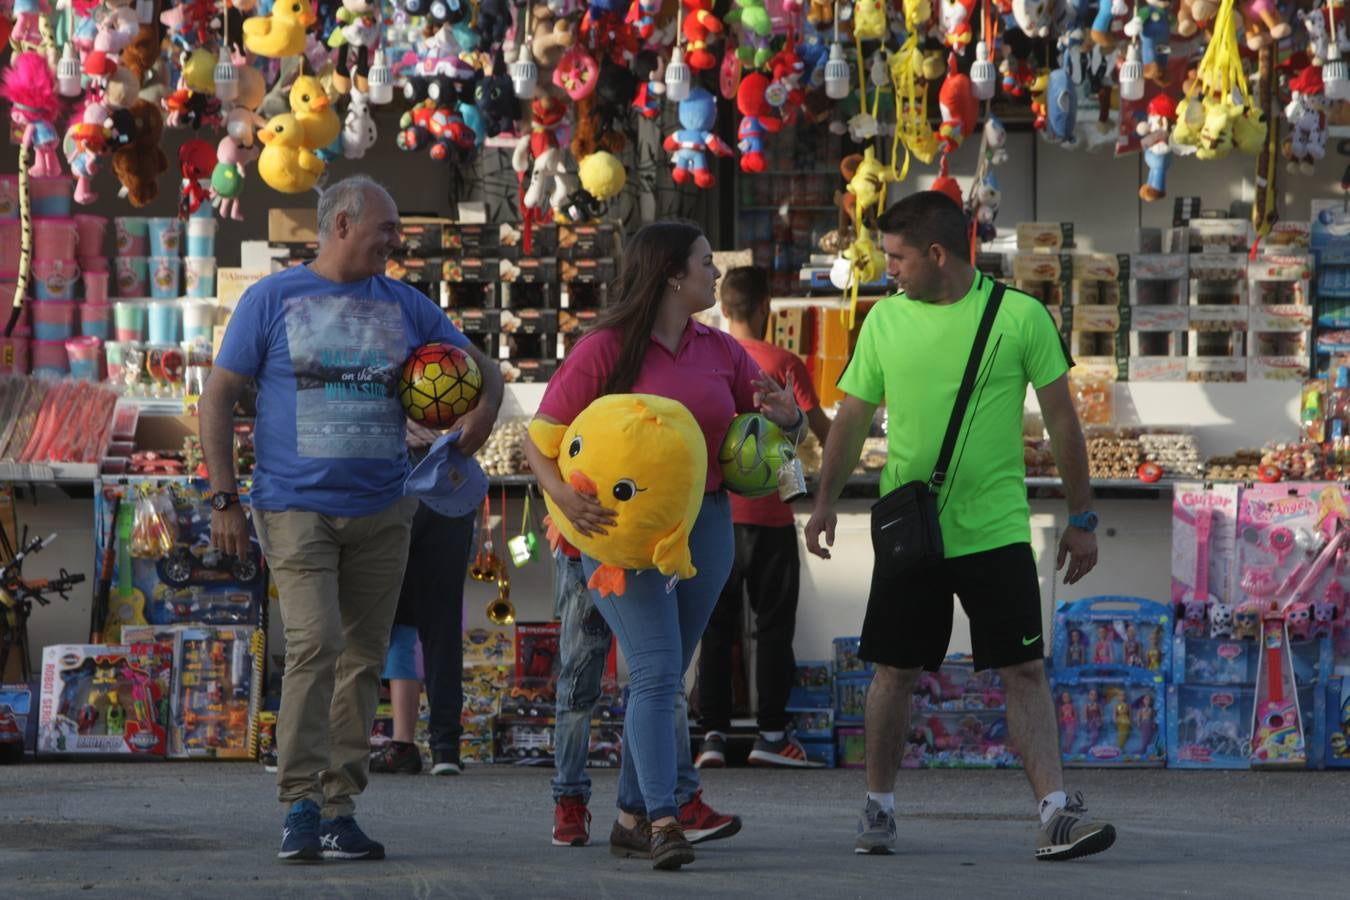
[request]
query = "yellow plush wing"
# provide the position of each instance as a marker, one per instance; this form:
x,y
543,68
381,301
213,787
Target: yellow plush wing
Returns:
x,y
547,436
671,555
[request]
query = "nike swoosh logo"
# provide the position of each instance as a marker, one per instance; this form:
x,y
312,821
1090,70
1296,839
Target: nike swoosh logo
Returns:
x,y
1027,642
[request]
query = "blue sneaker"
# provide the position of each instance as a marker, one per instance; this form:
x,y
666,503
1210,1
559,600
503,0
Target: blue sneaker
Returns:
x,y
342,838
300,834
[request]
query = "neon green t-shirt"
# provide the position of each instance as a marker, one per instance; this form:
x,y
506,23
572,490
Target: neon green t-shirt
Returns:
x,y
911,356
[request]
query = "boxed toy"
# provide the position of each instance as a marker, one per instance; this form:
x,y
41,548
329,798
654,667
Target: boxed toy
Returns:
x,y
822,752
957,686
973,739
811,685
217,679
527,742
475,741
1234,661
850,698
489,647
1119,635
846,661
266,731
812,724
484,687
1210,727
606,746
98,698
852,748
1204,550
1338,723
536,651
16,703
1111,722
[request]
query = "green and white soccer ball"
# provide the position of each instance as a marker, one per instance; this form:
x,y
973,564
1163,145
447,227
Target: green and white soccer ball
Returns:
x,y
751,455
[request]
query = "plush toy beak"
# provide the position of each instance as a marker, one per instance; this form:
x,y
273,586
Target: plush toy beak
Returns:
x,y
583,483
318,104
266,135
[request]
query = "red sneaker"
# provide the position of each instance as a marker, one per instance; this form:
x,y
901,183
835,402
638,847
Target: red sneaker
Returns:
x,y
571,823
703,823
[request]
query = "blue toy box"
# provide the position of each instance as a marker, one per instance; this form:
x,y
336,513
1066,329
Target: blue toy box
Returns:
x,y
1123,636
850,698
959,739
957,686
1229,661
846,661
811,685
820,752
1111,722
1210,726
1337,750
813,724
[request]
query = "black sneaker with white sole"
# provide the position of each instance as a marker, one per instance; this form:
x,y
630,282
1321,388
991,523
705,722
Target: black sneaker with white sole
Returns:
x,y
342,838
445,762
712,752
1068,836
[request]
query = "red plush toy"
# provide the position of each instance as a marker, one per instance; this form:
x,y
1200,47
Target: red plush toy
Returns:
x,y
699,25
758,119
196,160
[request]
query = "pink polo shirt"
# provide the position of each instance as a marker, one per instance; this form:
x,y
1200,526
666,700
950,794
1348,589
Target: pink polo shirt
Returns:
x,y
710,373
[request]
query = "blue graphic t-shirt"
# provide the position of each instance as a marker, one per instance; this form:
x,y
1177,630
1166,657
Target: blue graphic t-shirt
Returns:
x,y
326,357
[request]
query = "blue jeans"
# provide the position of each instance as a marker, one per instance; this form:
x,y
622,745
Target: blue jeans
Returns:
x,y
583,646
658,623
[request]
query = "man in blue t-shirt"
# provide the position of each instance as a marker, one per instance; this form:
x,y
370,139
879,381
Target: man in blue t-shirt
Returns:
x,y
325,343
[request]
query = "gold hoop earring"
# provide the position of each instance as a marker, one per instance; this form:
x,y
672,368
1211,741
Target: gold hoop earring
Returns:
x,y
677,286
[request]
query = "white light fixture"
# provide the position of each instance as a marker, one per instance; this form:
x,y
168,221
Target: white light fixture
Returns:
x,y
837,80
1131,79
983,74
226,77
381,81
524,74
68,82
678,79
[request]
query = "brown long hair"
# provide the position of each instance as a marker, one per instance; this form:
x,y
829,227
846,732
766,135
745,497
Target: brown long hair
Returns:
x,y
657,253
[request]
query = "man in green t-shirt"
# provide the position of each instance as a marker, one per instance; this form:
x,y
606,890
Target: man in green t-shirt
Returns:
x,y
911,354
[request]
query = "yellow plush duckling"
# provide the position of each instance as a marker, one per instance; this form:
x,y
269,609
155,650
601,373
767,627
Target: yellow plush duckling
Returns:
x,y
283,32
286,164
311,108
643,457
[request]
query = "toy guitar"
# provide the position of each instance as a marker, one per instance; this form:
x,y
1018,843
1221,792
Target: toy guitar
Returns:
x,y
1277,725
128,607
1199,594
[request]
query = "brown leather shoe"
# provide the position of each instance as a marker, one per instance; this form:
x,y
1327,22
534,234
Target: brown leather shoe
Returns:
x,y
670,848
629,842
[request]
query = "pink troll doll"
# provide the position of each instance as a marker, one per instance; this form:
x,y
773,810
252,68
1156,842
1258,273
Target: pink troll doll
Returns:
x,y
31,90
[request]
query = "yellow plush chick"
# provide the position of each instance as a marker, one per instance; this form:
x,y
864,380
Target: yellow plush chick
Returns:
x,y
643,457
283,32
199,71
285,164
310,106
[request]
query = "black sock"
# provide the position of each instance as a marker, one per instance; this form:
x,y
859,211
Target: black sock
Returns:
x,y
404,745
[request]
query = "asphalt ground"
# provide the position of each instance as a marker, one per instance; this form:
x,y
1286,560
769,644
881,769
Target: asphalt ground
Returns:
x,y
212,829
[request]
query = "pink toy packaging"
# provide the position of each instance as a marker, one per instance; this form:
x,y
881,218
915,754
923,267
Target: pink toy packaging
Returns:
x,y
101,699
1204,552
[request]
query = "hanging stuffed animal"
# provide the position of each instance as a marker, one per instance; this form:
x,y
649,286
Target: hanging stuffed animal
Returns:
x,y
552,35
867,178
550,182
140,159
1033,16
196,163
495,97
987,199
27,15
644,458
1306,114
576,73
956,27
1264,24
1107,11
286,164
356,39
602,177
960,109
756,29
1152,26
235,151
699,26
314,112
695,138
31,90
1193,15
787,92
642,18
1061,109
758,119
1155,136
358,129
650,69
493,23
438,128
282,33
87,140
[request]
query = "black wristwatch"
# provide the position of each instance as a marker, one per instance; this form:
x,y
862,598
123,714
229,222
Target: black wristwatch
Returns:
x,y
221,500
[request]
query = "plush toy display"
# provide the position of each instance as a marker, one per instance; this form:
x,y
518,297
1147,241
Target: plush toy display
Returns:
x,y
314,113
688,147
30,88
700,25
1306,114
140,159
758,119
282,33
286,164
358,129
642,457
1155,134
356,39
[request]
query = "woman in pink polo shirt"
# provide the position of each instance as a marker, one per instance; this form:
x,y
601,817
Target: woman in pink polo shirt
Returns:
x,y
648,343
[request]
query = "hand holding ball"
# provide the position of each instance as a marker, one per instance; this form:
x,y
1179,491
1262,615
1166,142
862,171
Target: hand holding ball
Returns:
x,y
439,384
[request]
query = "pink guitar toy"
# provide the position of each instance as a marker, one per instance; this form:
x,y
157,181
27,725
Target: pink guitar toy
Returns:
x,y
1197,601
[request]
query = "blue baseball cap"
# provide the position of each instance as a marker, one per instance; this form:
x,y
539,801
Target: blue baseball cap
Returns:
x,y
446,480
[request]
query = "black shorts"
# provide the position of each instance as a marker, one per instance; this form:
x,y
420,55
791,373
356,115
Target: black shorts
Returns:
x,y
909,620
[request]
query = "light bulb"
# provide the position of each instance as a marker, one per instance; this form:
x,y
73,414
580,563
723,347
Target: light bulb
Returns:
x,y
381,81
678,79
983,75
1131,79
1335,77
524,74
226,77
68,83
837,82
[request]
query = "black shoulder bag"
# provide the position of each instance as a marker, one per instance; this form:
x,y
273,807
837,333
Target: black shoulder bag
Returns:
x,y
905,532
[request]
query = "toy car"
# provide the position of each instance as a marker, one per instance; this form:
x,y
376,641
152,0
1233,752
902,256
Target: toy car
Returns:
x,y
202,563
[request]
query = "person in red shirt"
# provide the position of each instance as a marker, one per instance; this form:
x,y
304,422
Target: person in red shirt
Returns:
x,y
766,564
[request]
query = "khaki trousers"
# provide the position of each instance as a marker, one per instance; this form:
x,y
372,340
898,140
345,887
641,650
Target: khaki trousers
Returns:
x,y
338,581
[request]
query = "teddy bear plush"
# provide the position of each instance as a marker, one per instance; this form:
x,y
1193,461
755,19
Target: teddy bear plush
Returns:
x,y
140,161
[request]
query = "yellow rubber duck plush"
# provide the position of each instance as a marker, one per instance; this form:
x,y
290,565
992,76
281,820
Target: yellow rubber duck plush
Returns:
x,y
311,108
644,458
283,32
285,164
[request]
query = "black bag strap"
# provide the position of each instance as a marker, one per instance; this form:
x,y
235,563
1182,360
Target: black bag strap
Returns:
x,y
967,388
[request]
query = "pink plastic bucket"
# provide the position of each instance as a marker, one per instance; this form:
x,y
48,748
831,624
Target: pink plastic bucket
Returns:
x,y
83,355
54,279
10,232
96,286
53,320
51,196
94,264
91,230
132,276
9,197
14,355
54,238
49,358
95,320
